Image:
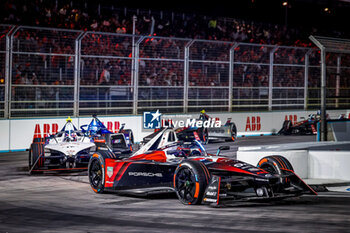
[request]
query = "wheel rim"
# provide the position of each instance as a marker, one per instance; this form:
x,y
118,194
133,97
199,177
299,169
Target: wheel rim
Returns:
x,y
95,174
186,185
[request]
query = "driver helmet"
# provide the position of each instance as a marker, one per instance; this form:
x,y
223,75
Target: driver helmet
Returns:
x,y
311,116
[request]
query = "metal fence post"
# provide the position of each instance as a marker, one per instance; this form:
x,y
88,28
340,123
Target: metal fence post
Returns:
x,y
77,63
8,59
323,95
186,74
337,84
9,86
231,69
133,64
306,78
271,77
135,73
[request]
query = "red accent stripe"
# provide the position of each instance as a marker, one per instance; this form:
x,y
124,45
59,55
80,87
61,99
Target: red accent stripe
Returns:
x,y
217,202
158,156
122,171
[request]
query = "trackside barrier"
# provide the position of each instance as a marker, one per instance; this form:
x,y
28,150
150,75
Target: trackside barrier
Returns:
x,y
17,134
312,160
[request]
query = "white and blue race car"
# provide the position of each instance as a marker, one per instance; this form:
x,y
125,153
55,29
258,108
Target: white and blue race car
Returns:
x,y
70,148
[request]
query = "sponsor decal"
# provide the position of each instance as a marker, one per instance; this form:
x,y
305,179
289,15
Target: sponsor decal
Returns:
x,y
263,180
113,126
212,188
211,193
117,140
152,120
292,118
246,166
210,200
47,130
146,174
238,165
348,189
253,169
109,172
102,148
253,123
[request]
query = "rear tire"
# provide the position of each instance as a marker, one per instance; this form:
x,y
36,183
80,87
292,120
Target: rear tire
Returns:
x,y
190,181
286,127
30,159
35,150
96,173
233,130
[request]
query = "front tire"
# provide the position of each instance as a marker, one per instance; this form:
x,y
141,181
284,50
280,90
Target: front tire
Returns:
x,y
275,164
96,173
190,181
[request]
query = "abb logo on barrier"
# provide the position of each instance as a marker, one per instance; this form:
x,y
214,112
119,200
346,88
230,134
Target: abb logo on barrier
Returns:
x,y
113,126
292,118
253,123
44,130
47,130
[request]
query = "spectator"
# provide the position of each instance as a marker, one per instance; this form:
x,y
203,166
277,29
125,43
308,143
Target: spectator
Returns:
x,y
105,76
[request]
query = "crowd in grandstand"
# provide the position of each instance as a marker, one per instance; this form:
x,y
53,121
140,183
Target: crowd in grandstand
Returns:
x,y
115,68
64,14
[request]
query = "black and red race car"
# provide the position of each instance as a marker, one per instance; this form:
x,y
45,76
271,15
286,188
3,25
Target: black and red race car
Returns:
x,y
195,176
304,127
226,132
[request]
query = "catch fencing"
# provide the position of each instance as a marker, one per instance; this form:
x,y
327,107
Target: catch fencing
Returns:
x,y
48,72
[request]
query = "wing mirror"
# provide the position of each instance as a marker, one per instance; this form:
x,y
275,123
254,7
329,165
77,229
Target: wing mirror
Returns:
x,y
222,148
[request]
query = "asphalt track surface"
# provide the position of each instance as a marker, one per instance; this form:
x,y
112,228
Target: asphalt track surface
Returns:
x,y
66,203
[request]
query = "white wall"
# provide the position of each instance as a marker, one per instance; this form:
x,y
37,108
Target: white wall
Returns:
x,y
17,134
329,165
4,134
